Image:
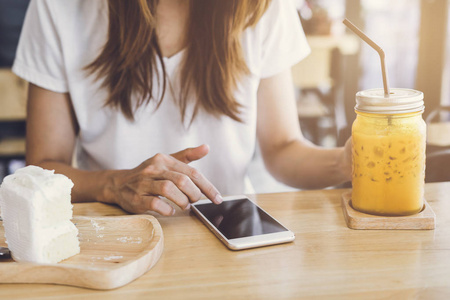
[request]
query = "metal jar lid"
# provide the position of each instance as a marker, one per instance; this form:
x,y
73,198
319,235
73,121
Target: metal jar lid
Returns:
x,y
400,101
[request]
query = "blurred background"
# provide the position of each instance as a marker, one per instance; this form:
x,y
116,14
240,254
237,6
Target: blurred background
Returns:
x,y
415,35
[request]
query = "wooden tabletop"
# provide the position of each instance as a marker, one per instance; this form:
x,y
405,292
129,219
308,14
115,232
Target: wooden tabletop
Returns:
x,y
326,260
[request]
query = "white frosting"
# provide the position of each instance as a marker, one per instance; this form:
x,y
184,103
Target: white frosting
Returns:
x,y
36,210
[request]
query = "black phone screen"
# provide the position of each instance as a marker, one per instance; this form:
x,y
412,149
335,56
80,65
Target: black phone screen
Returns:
x,y
239,218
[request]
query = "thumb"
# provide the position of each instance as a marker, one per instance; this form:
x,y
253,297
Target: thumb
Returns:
x,y
190,154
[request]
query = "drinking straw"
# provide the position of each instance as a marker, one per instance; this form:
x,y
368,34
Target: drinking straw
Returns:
x,y
377,48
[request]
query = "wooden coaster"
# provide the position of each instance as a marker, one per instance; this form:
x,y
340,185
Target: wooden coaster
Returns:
x,y
426,219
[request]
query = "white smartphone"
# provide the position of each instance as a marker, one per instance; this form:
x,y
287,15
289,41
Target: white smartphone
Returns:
x,y
241,224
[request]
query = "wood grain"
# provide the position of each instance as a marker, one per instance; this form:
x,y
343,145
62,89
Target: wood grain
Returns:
x,y
327,260
426,219
114,252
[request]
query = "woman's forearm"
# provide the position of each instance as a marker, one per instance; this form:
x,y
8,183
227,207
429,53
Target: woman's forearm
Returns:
x,y
142,188
88,185
304,165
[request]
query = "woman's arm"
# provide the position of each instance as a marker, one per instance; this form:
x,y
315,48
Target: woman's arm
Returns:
x,y
52,129
51,134
288,156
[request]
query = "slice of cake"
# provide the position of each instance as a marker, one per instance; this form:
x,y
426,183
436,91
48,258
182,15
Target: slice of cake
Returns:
x,y
36,210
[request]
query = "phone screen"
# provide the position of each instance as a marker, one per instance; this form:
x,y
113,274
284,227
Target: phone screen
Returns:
x,y
239,218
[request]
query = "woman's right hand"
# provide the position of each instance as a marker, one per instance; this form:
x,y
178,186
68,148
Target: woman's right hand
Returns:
x,y
140,189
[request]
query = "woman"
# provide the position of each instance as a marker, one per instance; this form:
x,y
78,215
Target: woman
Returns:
x,y
130,82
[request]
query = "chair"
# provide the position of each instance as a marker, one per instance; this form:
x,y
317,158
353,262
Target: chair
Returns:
x,y
318,78
438,145
12,120
438,166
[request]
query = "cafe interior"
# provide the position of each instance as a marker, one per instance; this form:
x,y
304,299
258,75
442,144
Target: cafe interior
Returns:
x,y
327,259
414,35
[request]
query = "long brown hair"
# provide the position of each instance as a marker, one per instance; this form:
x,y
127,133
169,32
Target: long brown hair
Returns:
x,y
213,61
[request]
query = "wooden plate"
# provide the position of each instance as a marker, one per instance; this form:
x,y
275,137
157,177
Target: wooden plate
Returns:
x,y
114,251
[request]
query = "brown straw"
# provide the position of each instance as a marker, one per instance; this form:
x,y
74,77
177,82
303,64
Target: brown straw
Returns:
x,y
377,48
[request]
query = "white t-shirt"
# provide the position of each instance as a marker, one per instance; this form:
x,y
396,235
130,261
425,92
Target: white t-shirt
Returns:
x,y
59,38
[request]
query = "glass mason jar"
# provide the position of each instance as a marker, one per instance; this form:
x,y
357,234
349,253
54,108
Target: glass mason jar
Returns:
x,y
388,152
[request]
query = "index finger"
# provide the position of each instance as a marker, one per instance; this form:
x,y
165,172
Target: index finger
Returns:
x,y
205,186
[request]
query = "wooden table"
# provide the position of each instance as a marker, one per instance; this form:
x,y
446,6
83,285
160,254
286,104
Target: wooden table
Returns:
x,y
327,260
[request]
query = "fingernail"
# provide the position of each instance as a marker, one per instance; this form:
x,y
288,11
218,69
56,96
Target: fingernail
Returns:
x,y
173,211
187,206
218,199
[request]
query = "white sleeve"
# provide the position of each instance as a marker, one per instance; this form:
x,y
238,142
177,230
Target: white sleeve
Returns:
x,y
39,57
284,42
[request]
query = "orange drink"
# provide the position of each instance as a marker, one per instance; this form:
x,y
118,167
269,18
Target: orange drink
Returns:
x,y
388,140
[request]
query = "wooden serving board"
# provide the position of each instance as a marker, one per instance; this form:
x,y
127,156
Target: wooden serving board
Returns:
x,y
114,251
426,219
